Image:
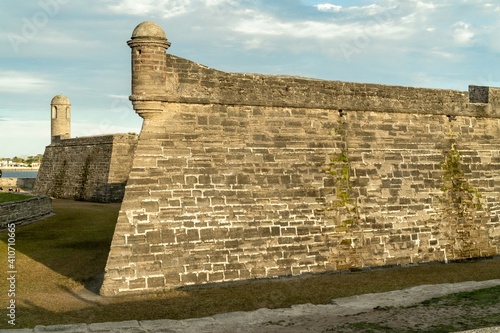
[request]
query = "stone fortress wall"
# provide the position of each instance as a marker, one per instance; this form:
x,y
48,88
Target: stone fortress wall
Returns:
x,y
93,168
13,183
24,211
240,176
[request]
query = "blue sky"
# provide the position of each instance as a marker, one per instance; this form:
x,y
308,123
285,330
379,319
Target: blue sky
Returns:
x,y
78,48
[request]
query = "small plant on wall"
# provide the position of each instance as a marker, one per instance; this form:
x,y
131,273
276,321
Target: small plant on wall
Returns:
x,y
463,211
340,170
458,192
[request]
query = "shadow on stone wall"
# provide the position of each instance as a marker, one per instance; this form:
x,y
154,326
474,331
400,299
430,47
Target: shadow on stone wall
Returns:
x,y
108,193
25,183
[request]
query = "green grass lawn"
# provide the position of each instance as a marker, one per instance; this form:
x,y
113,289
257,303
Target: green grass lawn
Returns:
x,y
452,313
6,197
56,258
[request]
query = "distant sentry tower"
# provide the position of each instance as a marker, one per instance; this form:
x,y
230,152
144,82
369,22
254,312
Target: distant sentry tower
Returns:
x,y
60,118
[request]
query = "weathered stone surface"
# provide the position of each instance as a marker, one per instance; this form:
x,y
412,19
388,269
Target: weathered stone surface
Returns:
x,y
19,212
239,176
88,168
75,328
131,326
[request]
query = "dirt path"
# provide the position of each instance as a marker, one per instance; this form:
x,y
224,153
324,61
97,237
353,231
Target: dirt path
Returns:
x,y
407,310
379,312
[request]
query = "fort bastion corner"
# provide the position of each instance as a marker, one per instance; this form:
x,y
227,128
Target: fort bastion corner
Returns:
x,y
91,168
241,176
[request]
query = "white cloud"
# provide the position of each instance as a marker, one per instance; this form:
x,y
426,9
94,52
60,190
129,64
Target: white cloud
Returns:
x,y
328,7
425,5
358,10
463,33
333,38
214,3
367,10
163,8
256,23
20,82
166,8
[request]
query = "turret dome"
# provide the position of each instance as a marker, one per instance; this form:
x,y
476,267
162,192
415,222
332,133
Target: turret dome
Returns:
x,y
150,30
60,99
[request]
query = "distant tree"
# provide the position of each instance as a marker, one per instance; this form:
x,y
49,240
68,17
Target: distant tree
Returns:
x,y
30,160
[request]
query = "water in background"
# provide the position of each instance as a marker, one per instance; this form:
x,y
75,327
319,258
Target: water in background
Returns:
x,y
19,174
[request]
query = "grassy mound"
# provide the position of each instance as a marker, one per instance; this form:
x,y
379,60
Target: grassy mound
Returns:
x,y
7,197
